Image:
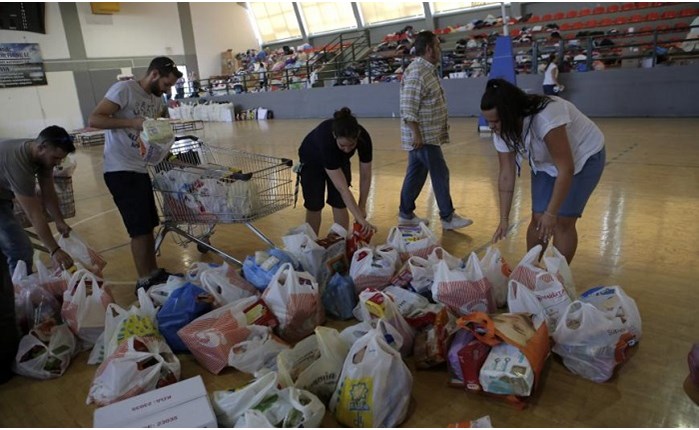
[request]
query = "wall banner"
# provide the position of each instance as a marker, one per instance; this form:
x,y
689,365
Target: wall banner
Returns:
x,y
21,65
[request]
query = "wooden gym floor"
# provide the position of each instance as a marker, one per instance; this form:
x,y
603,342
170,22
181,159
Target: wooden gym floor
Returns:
x,y
639,231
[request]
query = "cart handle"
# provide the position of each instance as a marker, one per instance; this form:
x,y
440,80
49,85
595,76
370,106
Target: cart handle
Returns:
x,y
187,136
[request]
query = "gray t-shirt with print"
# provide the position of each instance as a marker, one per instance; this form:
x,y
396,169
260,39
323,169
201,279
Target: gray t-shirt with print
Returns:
x,y
121,149
17,170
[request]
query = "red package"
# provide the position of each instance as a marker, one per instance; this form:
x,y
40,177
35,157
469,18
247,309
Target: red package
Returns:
x,y
357,239
472,356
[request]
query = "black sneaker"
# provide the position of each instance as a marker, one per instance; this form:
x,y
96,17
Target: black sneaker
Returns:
x,y
160,277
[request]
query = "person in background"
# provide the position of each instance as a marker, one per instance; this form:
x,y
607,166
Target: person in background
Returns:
x,y
551,76
23,162
179,88
424,129
122,112
325,155
565,150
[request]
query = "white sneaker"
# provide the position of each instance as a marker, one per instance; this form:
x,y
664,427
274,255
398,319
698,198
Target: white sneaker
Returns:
x,y
416,220
456,222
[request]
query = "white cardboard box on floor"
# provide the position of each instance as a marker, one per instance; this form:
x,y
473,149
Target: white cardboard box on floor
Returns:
x,y
184,404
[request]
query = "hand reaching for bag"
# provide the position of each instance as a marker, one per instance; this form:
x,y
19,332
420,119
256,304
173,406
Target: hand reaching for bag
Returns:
x,y
61,259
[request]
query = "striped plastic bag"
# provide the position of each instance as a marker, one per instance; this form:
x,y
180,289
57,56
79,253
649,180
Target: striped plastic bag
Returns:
x,y
463,291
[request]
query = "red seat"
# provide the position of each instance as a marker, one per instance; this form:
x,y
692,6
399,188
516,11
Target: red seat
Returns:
x,y
642,5
578,26
598,10
687,12
653,16
681,26
636,18
585,12
662,27
572,14
515,32
533,19
559,15
547,17
591,24
670,14
570,36
566,26
613,9
645,28
621,20
628,6
606,22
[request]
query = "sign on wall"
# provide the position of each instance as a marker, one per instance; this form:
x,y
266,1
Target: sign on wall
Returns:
x,y
21,65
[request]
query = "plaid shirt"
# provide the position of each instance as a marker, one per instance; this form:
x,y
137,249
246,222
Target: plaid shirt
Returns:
x,y
422,100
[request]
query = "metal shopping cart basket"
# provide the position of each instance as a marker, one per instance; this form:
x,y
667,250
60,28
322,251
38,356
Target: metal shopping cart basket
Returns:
x,y
206,185
66,203
183,126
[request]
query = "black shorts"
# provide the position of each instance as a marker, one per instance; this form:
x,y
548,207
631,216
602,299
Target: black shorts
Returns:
x,y
133,195
314,180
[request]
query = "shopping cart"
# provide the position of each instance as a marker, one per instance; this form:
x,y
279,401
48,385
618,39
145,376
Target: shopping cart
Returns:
x,y
88,137
185,126
66,203
205,185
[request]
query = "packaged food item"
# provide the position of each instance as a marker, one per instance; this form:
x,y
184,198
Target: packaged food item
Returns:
x,y
506,371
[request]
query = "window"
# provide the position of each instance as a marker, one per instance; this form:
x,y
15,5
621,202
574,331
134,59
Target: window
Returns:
x,y
321,17
446,6
275,21
374,12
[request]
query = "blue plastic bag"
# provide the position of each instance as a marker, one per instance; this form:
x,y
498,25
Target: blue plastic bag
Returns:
x,y
258,276
339,298
181,308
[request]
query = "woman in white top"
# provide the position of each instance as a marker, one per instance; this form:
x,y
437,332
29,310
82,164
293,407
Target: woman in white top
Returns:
x,y
551,76
564,149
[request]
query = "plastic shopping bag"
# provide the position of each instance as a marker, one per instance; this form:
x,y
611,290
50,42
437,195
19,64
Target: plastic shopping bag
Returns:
x,y
591,342
45,352
257,352
339,297
294,299
375,386
616,303
555,262
412,240
82,253
463,291
155,141
377,305
498,272
373,267
261,268
35,306
138,365
120,324
183,306
211,336
320,257
85,305
161,292
231,404
314,364
225,285
289,408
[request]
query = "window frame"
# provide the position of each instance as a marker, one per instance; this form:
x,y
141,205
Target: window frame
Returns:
x,y
305,27
388,22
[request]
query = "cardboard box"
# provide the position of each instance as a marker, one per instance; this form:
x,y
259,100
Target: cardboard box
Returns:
x,y
184,404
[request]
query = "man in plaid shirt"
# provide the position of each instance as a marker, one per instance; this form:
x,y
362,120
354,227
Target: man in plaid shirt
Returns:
x,y
424,128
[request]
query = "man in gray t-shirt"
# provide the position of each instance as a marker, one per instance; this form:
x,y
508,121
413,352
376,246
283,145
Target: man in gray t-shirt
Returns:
x,y
22,163
122,112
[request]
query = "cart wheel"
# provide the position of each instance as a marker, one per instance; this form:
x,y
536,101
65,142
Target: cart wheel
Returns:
x,y
201,248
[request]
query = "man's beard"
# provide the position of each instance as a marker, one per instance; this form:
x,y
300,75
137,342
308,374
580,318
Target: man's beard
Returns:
x,y
155,89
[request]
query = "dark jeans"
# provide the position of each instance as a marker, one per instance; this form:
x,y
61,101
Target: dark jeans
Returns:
x,y
548,90
9,337
14,242
428,159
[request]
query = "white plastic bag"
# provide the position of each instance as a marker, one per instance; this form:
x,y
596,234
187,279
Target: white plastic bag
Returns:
x,y
412,240
463,291
555,262
85,305
121,324
314,364
45,354
614,301
160,293
375,386
373,267
139,365
294,299
498,272
258,351
82,253
231,404
155,141
591,342
377,305
216,282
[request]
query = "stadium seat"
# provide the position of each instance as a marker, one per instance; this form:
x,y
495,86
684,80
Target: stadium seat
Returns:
x,y
566,26
681,26
628,6
670,14
653,16
642,5
646,28
688,12
578,25
547,17
572,14
591,24
662,27
613,8
585,12
559,16
621,20
605,22
534,19
636,18
598,10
